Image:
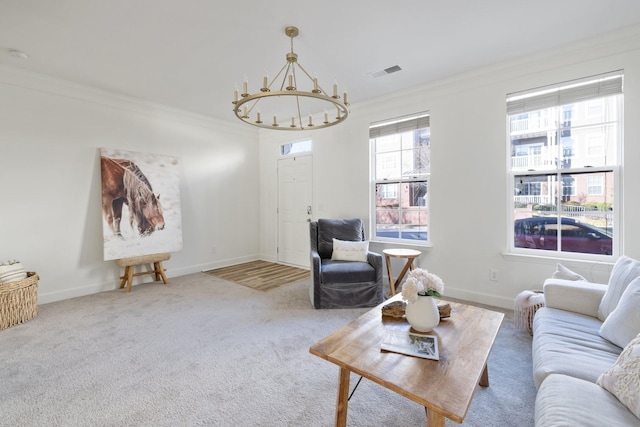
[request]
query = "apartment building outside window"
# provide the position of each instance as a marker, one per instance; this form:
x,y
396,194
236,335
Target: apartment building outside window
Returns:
x,y
400,165
565,142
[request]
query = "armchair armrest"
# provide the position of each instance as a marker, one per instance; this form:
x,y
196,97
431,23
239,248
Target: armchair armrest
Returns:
x,y
577,296
375,260
315,277
315,263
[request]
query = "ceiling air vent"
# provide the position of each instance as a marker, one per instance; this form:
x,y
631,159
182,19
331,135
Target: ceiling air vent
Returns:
x,y
386,71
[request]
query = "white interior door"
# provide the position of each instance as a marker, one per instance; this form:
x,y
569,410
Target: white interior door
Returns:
x,y
294,209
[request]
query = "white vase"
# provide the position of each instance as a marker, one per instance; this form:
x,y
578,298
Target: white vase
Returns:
x,y
423,314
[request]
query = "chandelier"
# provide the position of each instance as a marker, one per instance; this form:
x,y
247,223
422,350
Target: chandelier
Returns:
x,y
286,103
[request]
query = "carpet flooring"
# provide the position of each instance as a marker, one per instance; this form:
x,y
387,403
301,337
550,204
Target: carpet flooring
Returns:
x,y
261,275
203,351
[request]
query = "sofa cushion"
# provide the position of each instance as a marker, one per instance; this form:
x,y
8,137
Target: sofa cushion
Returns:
x,y
347,272
574,295
624,271
623,324
569,343
344,229
350,251
566,401
564,273
623,379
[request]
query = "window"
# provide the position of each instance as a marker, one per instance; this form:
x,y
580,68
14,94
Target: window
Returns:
x,y
595,146
296,148
595,185
594,108
565,141
400,160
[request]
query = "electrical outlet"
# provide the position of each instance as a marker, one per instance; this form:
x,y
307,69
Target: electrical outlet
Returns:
x,y
493,275
213,250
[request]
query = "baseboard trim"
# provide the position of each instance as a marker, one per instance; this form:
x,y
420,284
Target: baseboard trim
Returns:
x,y
48,297
482,298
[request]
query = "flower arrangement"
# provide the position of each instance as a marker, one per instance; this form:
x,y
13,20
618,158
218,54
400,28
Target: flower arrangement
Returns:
x,y
421,282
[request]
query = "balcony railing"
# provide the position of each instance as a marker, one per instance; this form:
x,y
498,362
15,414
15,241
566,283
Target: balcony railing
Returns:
x,y
531,125
527,162
532,200
542,158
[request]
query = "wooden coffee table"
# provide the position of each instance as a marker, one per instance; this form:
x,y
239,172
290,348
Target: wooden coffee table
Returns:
x,y
444,387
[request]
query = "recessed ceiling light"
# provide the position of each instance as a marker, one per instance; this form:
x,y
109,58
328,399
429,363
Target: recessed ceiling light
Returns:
x,y
16,53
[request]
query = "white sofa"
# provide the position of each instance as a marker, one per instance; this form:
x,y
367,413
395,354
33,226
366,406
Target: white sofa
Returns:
x,y
578,338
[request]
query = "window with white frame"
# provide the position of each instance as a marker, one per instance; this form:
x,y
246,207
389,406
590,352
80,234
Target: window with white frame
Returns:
x,y
297,147
595,145
594,108
565,194
400,165
595,185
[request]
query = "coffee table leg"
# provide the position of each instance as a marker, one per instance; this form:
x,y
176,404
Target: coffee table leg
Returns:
x,y
434,419
343,398
484,378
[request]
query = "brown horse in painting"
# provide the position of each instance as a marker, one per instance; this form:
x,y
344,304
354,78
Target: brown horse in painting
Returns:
x,y
123,182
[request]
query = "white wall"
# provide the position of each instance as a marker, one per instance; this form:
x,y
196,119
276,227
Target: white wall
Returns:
x,y
468,191
50,209
50,215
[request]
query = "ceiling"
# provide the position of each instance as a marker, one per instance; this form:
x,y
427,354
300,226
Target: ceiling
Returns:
x,y
190,54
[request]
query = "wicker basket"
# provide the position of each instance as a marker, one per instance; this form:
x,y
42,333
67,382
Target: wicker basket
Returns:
x,y
18,301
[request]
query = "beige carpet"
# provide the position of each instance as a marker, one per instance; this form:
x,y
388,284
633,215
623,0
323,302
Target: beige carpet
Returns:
x,y
202,351
261,275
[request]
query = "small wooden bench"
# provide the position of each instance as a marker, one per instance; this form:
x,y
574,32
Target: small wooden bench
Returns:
x,y
129,265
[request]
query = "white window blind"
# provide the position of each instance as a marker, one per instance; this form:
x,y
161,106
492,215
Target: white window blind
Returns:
x,y
584,89
400,125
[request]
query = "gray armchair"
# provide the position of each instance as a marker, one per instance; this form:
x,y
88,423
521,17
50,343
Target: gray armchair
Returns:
x,y
342,284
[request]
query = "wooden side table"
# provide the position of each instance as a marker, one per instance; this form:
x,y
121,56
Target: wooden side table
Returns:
x,y
409,255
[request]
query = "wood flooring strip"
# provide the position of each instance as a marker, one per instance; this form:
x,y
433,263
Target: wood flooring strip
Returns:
x,y
261,275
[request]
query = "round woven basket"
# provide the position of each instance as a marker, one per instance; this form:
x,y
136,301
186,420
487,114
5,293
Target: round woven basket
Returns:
x,y
19,301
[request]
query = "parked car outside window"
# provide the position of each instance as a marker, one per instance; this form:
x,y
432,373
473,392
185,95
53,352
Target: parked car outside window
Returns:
x,y
542,233
406,234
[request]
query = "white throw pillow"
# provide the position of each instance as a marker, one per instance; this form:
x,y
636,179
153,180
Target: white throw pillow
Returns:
x,y
624,271
623,324
622,379
350,251
564,273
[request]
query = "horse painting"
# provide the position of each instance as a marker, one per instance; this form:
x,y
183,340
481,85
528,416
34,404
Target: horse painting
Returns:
x,y
123,182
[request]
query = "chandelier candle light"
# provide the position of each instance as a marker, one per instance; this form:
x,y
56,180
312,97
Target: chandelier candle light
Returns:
x,y
287,97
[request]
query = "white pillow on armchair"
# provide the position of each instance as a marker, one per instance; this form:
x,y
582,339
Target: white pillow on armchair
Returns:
x,y
350,251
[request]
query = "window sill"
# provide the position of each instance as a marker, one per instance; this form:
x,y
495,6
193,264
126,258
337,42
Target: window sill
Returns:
x,y
540,259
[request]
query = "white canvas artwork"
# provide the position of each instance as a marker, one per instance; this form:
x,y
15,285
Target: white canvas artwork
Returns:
x,y
141,213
